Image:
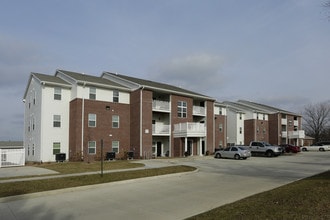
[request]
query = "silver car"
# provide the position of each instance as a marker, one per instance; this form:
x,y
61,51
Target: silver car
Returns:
x,y
235,152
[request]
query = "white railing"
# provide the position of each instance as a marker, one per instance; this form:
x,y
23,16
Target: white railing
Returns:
x,y
12,157
296,134
158,105
284,121
199,110
284,134
189,129
160,129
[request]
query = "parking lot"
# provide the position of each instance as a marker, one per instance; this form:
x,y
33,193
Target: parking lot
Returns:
x,y
217,182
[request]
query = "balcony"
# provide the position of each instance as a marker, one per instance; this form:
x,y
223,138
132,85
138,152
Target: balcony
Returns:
x,y
162,106
284,121
160,129
296,134
284,134
189,129
199,110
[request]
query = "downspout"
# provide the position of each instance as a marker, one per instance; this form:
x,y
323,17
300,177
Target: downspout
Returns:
x,y
141,122
82,122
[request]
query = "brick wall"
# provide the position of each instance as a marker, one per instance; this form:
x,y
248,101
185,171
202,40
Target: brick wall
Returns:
x,y
103,130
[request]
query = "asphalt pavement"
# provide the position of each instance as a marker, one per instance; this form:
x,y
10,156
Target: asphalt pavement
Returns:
x,y
177,196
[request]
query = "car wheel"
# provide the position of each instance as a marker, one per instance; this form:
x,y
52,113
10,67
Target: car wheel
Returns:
x,y
304,149
237,157
244,158
269,153
321,149
218,156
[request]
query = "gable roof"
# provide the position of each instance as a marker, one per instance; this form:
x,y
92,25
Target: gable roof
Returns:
x,y
157,86
46,80
266,108
81,78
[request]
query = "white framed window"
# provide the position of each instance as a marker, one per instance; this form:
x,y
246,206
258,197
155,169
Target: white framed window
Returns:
x,y
56,121
57,93
115,146
92,93
56,148
115,121
115,96
33,150
220,127
182,109
91,147
91,120
240,130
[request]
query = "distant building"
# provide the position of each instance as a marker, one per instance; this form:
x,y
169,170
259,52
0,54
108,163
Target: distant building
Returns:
x,y
12,153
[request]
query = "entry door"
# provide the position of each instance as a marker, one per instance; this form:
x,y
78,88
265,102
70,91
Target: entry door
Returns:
x,y
190,148
159,149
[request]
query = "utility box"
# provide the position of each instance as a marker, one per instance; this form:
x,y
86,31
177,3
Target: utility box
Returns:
x,y
60,157
130,155
111,156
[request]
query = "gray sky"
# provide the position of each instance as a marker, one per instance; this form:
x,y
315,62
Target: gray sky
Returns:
x,y
271,52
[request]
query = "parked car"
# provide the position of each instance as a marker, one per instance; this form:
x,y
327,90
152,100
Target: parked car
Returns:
x,y
316,147
289,148
235,152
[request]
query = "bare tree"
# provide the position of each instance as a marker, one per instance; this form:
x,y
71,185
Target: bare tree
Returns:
x,y
317,120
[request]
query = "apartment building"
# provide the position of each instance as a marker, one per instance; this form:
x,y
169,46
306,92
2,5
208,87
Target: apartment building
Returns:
x,y
284,127
253,122
266,123
78,115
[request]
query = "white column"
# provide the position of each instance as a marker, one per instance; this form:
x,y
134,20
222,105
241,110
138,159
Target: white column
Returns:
x,y
185,144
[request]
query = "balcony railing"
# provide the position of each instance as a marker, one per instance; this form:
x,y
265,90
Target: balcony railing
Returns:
x,y
158,105
160,129
189,129
296,134
284,134
284,121
199,110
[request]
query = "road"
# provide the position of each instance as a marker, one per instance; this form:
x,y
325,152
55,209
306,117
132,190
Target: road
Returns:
x,y
215,183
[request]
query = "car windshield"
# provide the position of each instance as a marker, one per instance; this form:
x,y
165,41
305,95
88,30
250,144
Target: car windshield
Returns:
x,y
267,144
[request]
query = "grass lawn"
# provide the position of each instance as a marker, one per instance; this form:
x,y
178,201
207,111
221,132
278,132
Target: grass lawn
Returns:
x,y
305,199
31,186
81,167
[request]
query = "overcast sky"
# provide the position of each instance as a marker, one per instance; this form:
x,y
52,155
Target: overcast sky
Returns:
x,y
266,51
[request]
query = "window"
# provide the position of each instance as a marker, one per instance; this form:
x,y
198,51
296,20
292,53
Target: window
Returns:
x,y
115,97
182,109
34,97
115,146
91,120
91,147
56,121
33,123
28,150
240,130
220,111
57,94
220,127
115,121
92,93
33,149
56,148
240,116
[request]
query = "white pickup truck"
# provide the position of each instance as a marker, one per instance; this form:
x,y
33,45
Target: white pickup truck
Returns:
x,y
264,148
